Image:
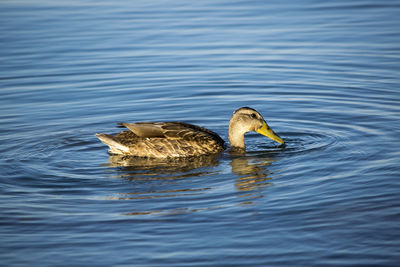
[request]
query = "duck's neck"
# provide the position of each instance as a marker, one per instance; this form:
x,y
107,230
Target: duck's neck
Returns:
x,y
236,135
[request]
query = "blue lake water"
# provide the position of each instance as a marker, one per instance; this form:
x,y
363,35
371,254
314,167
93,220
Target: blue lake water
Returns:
x,y
325,76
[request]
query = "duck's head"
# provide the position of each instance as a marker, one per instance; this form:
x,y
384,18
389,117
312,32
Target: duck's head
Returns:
x,y
245,120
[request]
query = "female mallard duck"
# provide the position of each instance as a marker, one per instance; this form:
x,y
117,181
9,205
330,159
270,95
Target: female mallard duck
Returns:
x,y
179,139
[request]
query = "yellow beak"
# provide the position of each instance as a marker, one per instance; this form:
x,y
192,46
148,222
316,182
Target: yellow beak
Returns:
x,y
265,130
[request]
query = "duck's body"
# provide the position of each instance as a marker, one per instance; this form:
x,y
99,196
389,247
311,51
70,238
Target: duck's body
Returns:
x,y
163,140
179,139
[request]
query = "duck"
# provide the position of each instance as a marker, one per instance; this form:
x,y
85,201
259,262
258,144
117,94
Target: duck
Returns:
x,y
180,139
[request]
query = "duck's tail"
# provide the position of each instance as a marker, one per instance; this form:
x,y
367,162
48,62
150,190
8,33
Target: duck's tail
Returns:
x,y
115,146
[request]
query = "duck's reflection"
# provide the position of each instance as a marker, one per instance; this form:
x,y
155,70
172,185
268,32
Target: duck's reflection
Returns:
x,y
160,184
253,173
155,181
160,166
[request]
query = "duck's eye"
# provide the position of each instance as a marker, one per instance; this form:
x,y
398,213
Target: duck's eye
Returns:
x,y
253,115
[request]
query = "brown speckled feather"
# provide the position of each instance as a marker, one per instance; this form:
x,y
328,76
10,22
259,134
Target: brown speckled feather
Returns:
x,y
163,140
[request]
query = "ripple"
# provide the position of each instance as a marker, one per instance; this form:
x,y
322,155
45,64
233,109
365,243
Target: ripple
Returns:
x,y
300,142
295,141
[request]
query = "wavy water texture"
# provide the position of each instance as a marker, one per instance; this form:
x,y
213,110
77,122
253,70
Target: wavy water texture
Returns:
x,y
325,76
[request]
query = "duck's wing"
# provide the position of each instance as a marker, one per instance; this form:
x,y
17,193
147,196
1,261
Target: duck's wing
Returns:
x,y
145,129
172,130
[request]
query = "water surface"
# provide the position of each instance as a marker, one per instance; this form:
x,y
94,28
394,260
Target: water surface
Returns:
x,y
324,75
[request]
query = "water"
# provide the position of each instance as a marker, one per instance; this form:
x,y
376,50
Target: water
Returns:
x,y
324,75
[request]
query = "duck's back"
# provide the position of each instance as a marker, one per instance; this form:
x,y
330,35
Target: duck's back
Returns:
x,y
163,140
